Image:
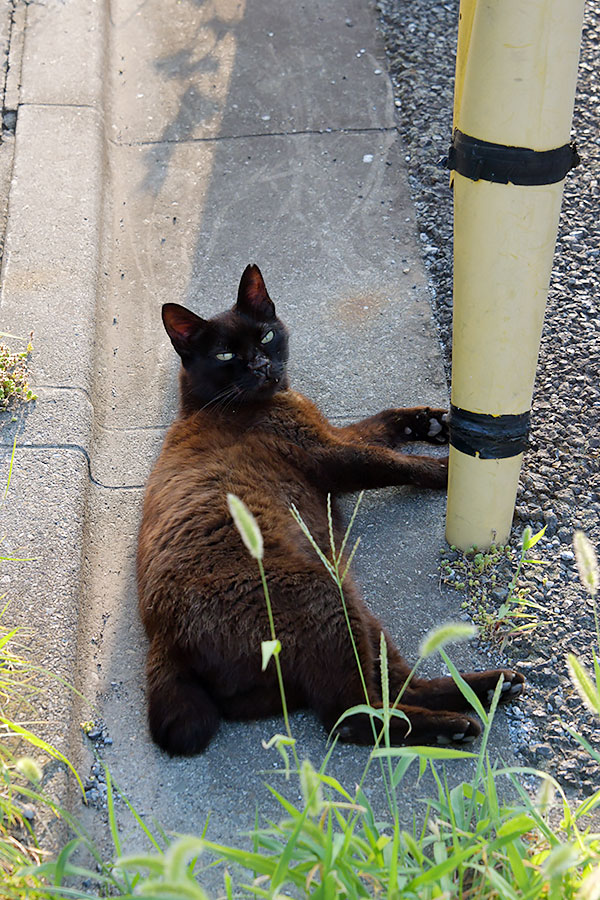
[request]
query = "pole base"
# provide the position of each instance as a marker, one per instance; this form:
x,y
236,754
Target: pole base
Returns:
x,y
481,499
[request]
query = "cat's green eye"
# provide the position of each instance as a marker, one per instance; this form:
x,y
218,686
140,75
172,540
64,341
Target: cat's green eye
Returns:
x,y
224,357
268,337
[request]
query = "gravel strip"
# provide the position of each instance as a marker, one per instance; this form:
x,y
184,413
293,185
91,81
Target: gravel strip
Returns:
x,y
560,481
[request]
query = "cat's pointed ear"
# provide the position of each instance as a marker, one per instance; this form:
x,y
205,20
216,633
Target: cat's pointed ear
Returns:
x,y
182,325
253,299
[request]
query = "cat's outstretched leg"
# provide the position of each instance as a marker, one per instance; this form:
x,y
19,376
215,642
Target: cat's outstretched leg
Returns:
x,y
396,426
347,466
181,714
336,686
443,693
424,726
421,726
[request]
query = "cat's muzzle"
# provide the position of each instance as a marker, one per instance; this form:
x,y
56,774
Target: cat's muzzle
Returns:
x,y
262,372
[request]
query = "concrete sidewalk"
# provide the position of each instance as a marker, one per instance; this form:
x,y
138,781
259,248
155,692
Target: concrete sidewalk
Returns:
x,y
158,151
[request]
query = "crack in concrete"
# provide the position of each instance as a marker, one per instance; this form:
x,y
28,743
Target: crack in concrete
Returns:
x,y
11,25
112,428
77,448
380,129
122,428
11,84
14,64
163,426
37,103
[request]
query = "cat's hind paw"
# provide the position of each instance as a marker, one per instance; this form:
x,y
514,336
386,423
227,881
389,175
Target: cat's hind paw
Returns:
x,y
512,686
458,730
182,725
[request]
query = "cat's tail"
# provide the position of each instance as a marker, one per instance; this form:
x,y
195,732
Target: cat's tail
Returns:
x,y
181,714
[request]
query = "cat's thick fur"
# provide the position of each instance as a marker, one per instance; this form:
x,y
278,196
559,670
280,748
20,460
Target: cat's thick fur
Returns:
x,y
242,430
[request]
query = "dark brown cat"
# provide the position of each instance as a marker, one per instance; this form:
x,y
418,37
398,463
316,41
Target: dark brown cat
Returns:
x,y
242,430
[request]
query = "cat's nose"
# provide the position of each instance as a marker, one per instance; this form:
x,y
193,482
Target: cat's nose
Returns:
x,y
261,366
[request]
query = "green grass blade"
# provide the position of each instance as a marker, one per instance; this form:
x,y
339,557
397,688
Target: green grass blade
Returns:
x,y
350,558
530,541
401,770
264,865
139,820
362,709
42,745
583,684
330,530
306,532
425,752
467,691
438,871
393,873
8,637
283,868
588,805
62,861
350,525
289,807
112,821
585,744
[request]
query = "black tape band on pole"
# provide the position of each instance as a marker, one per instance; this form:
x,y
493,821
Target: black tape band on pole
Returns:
x,y
477,159
488,437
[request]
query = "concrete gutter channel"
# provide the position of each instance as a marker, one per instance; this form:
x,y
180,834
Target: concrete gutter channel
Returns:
x,y
159,148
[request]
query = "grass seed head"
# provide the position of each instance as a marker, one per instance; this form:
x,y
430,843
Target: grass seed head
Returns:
x,y
247,526
587,562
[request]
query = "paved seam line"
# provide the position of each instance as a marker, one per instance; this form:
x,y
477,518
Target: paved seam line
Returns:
x,y
351,416
242,137
11,28
79,449
32,105
81,390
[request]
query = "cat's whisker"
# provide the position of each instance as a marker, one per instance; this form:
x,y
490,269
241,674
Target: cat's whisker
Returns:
x,y
223,396
226,401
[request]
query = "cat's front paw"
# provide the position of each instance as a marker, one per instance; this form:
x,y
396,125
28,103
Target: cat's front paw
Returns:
x,y
437,426
423,423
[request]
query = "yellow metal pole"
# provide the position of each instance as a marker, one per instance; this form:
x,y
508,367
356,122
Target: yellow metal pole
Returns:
x,y
465,28
515,88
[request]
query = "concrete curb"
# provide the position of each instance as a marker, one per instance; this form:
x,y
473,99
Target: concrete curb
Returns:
x,y
50,282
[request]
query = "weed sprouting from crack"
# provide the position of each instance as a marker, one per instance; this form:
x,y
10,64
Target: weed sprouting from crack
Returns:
x,y
14,374
489,580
